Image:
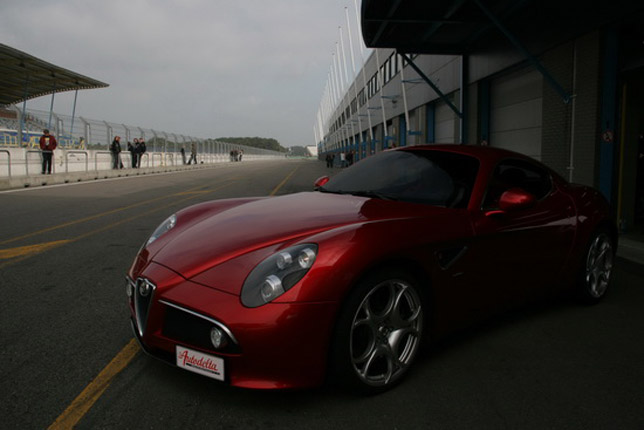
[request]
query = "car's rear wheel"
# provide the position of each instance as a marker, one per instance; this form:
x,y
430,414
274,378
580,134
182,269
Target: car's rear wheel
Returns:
x,y
597,268
379,331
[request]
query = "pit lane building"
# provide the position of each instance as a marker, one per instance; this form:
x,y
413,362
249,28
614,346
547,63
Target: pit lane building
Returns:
x,y
561,81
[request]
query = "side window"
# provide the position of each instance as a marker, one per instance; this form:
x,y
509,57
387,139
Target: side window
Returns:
x,y
517,174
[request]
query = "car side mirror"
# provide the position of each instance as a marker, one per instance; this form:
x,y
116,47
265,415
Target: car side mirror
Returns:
x,y
512,200
319,182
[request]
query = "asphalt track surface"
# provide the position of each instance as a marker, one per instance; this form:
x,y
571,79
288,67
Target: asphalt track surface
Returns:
x,y
64,251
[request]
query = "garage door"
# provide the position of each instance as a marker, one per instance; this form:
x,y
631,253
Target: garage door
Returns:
x,y
515,112
446,122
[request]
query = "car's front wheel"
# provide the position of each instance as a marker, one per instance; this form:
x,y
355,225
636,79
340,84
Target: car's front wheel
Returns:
x,y
379,331
597,268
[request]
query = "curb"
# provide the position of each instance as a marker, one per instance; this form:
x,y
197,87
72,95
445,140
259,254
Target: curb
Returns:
x,y
631,252
94,175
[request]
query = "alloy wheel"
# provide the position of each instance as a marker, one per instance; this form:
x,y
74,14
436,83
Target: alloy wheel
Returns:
x,y
599,264
385,332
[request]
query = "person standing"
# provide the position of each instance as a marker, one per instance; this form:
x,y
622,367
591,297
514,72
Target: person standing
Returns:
x,y
133,153
47,145
115,150
183,154
140,150
193,153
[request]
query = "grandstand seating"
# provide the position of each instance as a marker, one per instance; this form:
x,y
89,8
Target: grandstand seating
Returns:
x,y
9,125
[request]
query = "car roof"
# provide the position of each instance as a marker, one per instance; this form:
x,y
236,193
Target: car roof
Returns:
x,y
486,153
487,156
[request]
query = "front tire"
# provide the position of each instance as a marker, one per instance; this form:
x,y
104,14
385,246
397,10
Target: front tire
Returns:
x,y
379,331
597,268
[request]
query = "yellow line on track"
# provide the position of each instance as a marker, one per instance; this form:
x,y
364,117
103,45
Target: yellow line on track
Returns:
x,y
86,399
186,193
281,184
90,395
25,251
24,256
97,216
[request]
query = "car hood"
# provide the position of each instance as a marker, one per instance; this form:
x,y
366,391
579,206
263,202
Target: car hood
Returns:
x,y
260,223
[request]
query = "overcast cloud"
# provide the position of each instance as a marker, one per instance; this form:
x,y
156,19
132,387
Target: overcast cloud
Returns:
x,y
205,68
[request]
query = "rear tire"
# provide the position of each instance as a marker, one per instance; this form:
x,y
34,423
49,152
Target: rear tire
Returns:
x,y
597,265
379,332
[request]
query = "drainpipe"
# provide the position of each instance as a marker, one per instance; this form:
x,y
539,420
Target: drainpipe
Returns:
x,y
571,166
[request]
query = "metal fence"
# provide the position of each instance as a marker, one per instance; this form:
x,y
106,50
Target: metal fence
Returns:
x,y
83,144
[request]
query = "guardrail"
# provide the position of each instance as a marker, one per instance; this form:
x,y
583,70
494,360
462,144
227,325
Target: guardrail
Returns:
x,y
33,151
76,152
96,154
153,154
4,151
20,161
147,158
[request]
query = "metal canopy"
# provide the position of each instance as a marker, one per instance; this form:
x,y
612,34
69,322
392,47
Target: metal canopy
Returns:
x,y
461,27
23,77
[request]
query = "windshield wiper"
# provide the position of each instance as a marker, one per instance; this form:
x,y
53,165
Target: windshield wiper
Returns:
x,y
324,190
372,194
359,193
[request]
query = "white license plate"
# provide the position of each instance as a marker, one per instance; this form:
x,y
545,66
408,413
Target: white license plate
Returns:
x,y
198,362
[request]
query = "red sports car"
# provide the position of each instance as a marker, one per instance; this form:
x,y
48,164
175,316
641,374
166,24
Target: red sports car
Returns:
x,y
350,279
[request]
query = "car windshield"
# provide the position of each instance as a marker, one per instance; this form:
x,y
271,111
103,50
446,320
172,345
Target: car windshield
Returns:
x,y
438,178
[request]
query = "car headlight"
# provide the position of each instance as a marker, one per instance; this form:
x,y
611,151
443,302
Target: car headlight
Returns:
x,y
166,225
277,274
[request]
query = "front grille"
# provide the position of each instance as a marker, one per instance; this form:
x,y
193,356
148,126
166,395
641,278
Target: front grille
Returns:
x,y
189,329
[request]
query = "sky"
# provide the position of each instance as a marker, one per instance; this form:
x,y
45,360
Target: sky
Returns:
x,y
202,68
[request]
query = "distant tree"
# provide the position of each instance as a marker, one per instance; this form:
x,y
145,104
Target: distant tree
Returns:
x,y
255,142
299,151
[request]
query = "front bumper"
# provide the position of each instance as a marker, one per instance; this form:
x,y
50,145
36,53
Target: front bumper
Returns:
x,y
278,345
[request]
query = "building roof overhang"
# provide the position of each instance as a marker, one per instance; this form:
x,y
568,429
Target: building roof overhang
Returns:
x,y
461,27
23,77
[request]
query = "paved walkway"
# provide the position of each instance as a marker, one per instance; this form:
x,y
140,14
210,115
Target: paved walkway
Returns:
x,y
631,249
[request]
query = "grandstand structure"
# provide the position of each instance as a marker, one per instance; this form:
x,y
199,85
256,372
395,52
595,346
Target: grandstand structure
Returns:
x,y
83,142
24,77
12,121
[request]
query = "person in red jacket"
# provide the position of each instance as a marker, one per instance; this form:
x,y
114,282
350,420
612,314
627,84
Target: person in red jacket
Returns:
x,y
47,146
